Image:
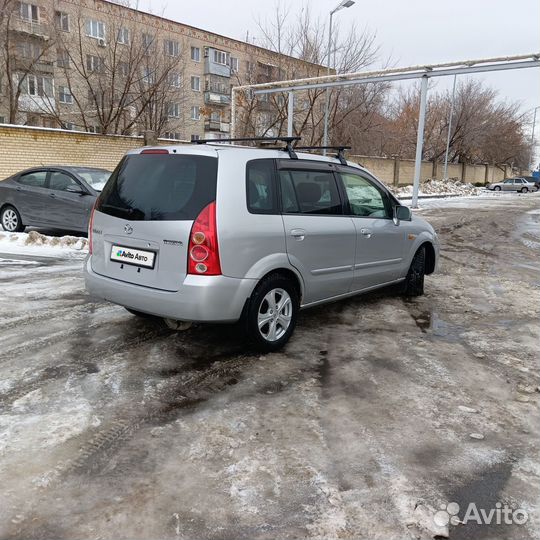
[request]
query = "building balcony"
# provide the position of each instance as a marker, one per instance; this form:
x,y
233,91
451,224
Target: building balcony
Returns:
x,y
213,98
30,28
217,125
213,68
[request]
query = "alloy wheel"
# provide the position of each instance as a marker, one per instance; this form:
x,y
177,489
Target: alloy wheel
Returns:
x,y
274,314
10,221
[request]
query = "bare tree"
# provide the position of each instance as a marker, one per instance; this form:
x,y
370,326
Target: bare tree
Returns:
x,y
25,48
303,37
484,129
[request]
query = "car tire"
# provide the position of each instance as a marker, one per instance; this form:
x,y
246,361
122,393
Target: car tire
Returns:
x,y
11,219
497,188
276,301
524,190
414,282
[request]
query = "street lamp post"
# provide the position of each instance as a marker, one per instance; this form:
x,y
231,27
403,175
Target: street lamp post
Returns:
x,y
341,5
531,164
445,175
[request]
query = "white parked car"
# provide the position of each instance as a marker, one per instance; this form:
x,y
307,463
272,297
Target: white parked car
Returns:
x,y
514,184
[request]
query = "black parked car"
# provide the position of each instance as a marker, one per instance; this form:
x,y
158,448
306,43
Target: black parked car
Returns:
x,y
58,197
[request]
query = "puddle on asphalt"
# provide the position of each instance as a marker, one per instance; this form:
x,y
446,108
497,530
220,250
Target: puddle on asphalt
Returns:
x,y
430,322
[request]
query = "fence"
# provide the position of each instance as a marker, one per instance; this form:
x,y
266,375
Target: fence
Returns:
x,y
22,147
397,172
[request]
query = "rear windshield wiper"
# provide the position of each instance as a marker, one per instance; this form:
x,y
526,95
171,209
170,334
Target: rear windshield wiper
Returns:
x,y
133,212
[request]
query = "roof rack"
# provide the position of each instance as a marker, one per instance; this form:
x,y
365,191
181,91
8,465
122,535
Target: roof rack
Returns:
x,y
287,140
340,149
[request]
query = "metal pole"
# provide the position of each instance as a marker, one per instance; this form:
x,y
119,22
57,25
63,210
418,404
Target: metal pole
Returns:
x,y
327,96
233,113
445,175
419,141
290,115
531,164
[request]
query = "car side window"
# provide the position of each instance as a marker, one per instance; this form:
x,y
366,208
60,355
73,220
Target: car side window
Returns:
x,y
508,181
260,186
365,198
61,181
33,179
309,192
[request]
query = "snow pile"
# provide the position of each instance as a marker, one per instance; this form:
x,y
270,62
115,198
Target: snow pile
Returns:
x,y
440,188
34,243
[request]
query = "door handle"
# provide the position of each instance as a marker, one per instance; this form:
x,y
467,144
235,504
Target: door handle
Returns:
x,y
52,195
366,232
298,234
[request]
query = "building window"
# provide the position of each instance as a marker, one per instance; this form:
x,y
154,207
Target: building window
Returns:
x,y
220,57
95,29
195,137
171,135
196,54
215,116
173,110
149,76
171,48
196,83
195,113
234,64
38,86
2,119
29,12
123,36
32,51
68,125
62,21
123,69
174,79
148,41
64,95
94,129
94,63
62,58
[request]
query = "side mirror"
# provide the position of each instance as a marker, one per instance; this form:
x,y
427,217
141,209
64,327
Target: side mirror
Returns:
x,y
76,189
402,213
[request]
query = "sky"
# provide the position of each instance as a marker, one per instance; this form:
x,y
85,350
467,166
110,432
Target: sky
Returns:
x,y
409,32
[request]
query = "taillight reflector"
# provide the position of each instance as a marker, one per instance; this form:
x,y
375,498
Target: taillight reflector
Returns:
x,y
203,251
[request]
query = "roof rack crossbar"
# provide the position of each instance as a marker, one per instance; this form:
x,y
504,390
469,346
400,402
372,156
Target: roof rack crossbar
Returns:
x,y
340,149
287,140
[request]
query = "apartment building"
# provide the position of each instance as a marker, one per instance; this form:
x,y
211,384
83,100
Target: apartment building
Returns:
x,y
98,66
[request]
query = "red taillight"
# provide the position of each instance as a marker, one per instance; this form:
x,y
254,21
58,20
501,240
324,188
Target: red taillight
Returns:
x,y
90,227
155,151
203,252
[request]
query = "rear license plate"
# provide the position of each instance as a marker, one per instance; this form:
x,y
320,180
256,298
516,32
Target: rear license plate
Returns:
x,y
136,257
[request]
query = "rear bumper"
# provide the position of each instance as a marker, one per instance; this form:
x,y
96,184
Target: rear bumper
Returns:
x,y
201,298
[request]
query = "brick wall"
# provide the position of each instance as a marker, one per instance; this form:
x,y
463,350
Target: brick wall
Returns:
x,y
22,147
401,171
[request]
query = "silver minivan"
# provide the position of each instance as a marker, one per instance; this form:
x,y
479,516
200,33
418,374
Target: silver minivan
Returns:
x,y
220,233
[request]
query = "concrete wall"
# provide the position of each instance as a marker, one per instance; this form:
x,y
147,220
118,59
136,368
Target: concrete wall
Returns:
x,y
401,171
22,147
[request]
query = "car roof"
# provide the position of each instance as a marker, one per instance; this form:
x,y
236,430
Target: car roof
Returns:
x,y
70,168
249,152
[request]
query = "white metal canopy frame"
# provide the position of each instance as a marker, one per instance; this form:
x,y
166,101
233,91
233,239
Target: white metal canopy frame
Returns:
x,y
395,74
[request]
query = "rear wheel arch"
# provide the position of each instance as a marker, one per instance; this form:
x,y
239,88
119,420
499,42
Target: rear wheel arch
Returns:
x,y
288,274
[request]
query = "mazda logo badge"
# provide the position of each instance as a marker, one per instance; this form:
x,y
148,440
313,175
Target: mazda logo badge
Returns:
x,y
128,229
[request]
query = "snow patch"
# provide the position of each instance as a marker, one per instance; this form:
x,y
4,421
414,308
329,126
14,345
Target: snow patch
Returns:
x,y
34,243
441,188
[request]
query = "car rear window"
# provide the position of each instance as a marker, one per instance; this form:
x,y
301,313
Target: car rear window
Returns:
x,y
160,187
